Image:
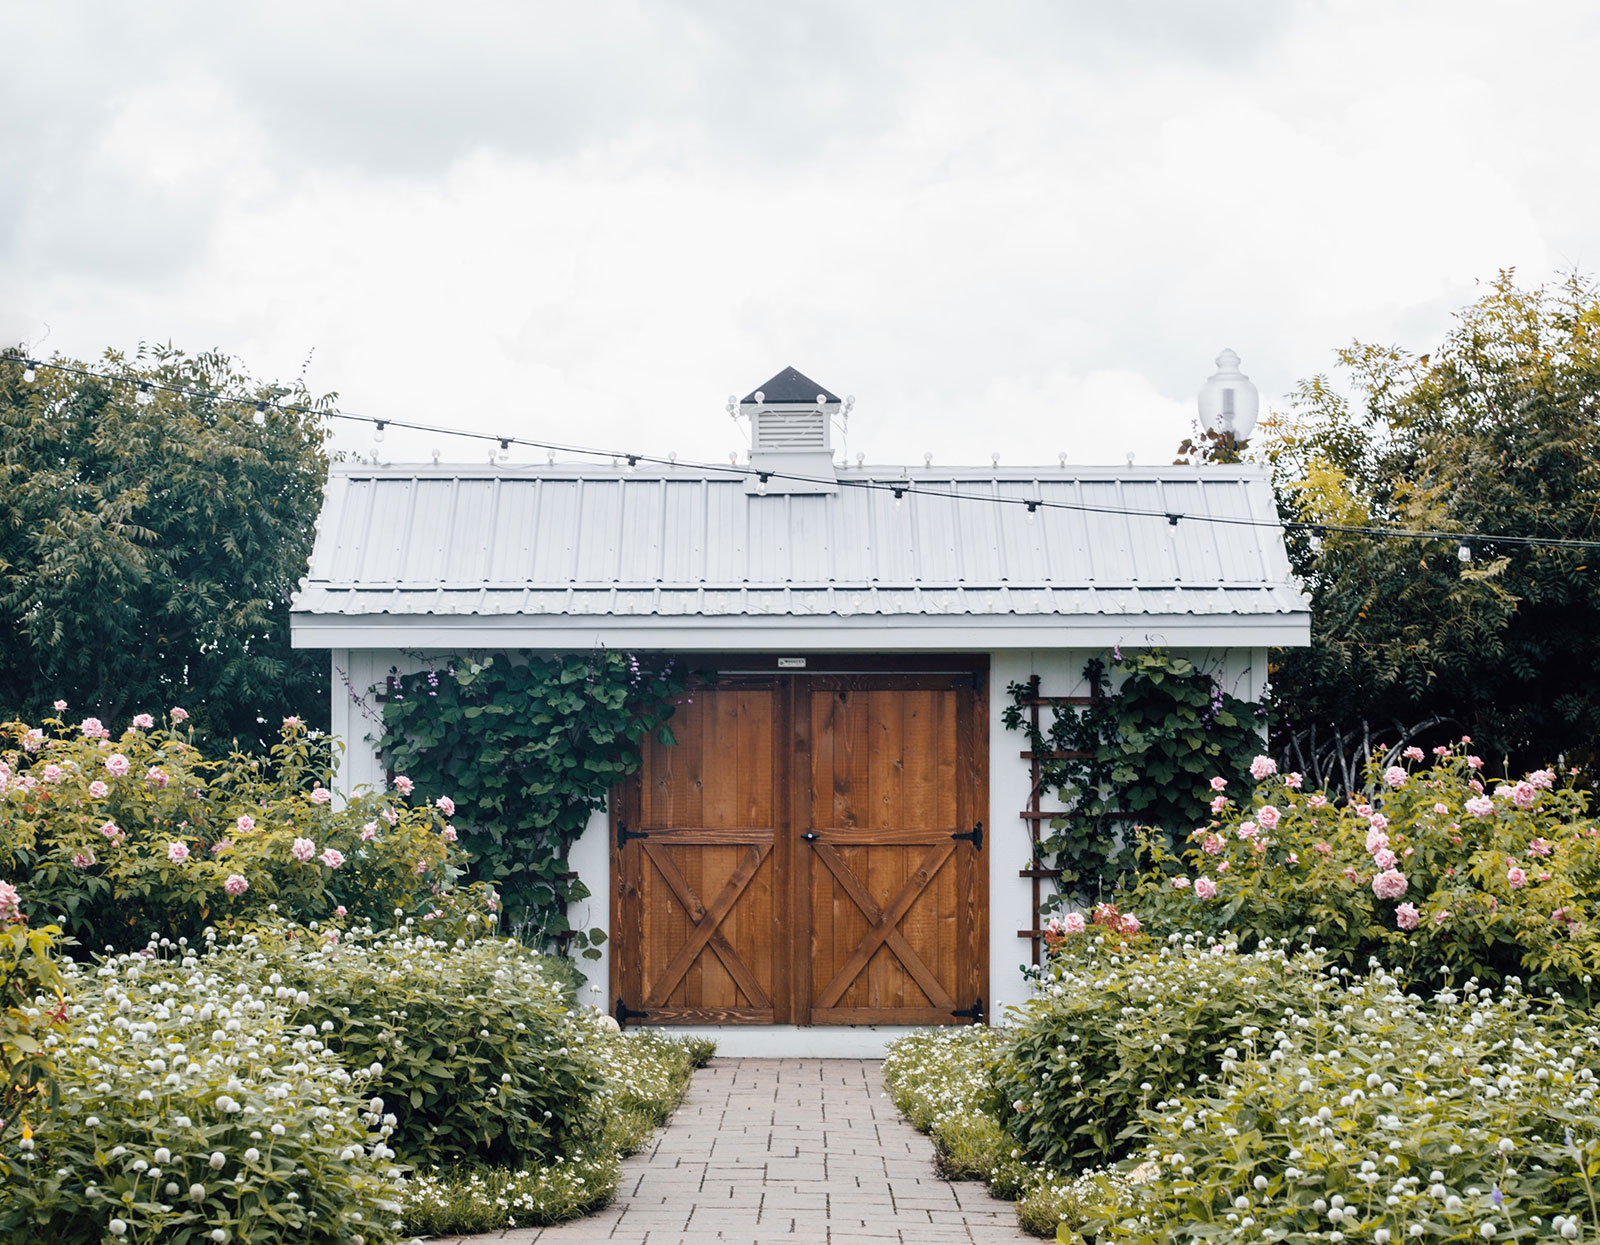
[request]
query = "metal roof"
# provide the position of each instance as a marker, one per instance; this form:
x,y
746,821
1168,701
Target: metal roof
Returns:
x,y
561,550
789,385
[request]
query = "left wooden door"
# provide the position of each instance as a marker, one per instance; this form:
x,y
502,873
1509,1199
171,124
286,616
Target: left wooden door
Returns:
x,y
698,846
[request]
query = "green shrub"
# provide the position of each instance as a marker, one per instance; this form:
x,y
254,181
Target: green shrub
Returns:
x,y
192,1109
1376,1117
1114,1026
647,1075
1485,883
473,1045
121,838
32,1005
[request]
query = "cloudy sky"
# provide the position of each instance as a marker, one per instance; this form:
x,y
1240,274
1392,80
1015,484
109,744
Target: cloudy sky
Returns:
x,y
1021,227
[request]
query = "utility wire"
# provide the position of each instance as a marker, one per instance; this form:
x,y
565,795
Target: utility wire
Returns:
x,y
899,487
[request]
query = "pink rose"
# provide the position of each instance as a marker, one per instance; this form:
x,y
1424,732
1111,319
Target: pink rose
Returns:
x,y
117,764
1376,839
246,823
1405,916
1218,804
1293,858
1211,845
61,706
292,723
156,776
83,859
1542,779
339,911
92,728
1317,800
1223,866
179,715
1475,762
449,834
236,885
1395,777
1539,847
1384,858
1480,806
1293,781
1268,816
390,816
1378,822
446,805
1246,830
177,852
303,850
368,831
320,794
112,831
1442,809
221,846
1219,783
1439,916
1524,794
1180,883
1413,753
1205,888
10,903
1390,884
332,857
402,784
1263,767
1128,923
98,790
33,740
1516,877
422,867
1073,923
51,773
1363,810
143,721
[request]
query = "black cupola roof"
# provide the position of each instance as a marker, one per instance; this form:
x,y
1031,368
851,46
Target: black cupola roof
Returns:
x,y
789,386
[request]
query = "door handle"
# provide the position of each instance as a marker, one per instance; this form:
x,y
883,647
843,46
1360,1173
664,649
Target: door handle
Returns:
x,y
810,836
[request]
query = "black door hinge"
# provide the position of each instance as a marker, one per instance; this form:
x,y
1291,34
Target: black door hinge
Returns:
x,y
973,1013
624,1013
624,834
973,836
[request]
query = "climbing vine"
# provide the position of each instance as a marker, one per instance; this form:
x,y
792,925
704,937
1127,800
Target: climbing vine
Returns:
x,y
1138,754
527,747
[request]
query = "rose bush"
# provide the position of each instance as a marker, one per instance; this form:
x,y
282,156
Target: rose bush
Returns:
x,y
1443,874
120,836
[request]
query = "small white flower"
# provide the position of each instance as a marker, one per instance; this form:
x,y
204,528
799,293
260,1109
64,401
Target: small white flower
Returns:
x,y
219,1160
118,1227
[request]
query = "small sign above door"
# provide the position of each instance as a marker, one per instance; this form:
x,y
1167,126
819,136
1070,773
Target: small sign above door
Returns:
x,y
791,663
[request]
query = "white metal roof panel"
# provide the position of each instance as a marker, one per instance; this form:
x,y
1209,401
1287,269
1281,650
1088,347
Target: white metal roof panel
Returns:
x,y
680,543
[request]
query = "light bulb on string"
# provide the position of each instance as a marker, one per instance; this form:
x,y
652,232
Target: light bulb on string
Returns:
x,y
899,495
142,394
377,429
1033,509
505,450
1464,552
28,372
260,417
633,463
761,484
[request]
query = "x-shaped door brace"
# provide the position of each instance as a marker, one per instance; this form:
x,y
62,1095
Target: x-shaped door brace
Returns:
x,y
707,922
885,922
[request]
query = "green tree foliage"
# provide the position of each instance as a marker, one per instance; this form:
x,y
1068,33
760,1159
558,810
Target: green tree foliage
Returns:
x,y
1496,431
148,550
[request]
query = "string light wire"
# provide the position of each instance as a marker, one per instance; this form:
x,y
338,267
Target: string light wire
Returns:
x,y
899,487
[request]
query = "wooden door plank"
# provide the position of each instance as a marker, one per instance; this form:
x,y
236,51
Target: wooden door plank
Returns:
x,y
784,760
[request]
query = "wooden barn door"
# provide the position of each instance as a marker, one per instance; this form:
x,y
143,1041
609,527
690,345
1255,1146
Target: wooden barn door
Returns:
x,y
889,876
697,929
810,852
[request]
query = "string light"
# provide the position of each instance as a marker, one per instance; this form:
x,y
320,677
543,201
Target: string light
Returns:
x,y
142,395
1315,530
260,417
28,373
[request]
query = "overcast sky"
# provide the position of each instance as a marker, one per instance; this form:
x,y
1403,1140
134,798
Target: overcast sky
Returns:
x,y
1021,228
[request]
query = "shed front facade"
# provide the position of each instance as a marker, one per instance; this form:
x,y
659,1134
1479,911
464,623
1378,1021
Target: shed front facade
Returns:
x,y
834,848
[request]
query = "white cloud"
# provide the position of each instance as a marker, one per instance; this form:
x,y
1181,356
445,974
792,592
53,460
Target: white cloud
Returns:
x,y
1019,231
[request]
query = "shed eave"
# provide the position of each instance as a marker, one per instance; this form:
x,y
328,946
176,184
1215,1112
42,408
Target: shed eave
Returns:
x,y
864,633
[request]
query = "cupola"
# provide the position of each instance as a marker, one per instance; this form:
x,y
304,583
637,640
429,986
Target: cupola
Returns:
x,y
791,434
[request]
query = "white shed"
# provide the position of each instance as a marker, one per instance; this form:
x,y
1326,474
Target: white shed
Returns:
x,y
833,850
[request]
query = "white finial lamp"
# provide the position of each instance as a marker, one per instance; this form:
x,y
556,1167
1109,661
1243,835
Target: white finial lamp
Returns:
x,y
1229,402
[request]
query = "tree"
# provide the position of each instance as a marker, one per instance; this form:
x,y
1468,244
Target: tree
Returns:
x,y
1498,431
149,542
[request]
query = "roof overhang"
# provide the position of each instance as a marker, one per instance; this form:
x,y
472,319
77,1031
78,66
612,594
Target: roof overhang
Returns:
x,y
864,633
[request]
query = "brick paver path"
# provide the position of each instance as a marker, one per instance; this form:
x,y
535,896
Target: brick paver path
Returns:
x,y
784,1150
